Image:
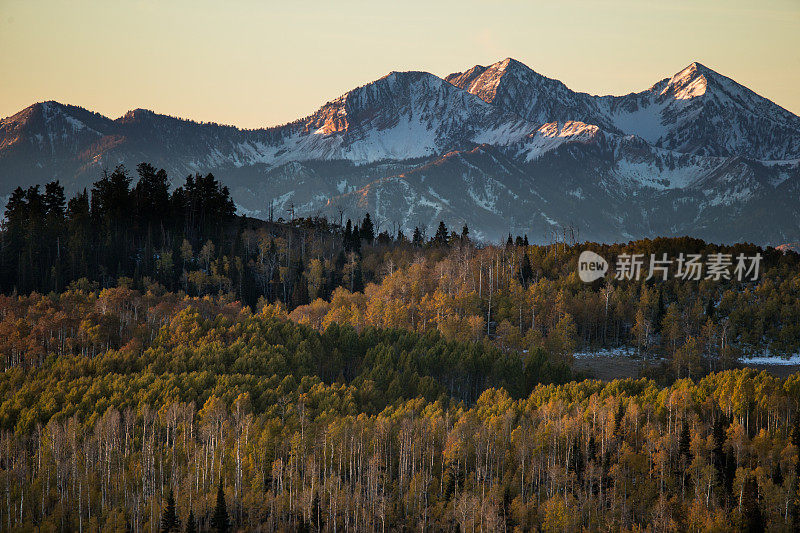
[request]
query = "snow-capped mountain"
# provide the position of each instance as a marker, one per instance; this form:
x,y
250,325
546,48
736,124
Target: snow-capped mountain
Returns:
x,y
695,111
500,148
511,85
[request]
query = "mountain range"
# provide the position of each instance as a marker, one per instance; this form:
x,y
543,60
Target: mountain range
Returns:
x,y
500,148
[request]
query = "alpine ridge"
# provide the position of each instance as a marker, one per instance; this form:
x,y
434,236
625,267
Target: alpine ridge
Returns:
x,y
500,148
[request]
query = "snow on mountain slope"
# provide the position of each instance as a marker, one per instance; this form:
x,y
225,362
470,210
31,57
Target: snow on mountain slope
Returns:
x,y
697,110
513,86
552,135
50,127
500,148
702,112
400,116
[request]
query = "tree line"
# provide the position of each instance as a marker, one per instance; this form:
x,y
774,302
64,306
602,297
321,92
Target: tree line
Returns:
x,y
517,296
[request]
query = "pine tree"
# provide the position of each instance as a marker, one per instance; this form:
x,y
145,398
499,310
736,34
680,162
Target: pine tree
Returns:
x,y
358,278
416,239
465,233
348,236
685,442
356,239
525,273
796,439
718,452
191,526
169,520
219,520
441,233
315,512
300,289
367,229
752,519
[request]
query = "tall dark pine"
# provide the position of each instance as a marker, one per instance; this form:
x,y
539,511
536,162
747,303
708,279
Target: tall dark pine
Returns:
x,y
416,238
191,526
79,227
151,196
796,439
112,213
169,519
219,520
315,512
796,442
441,233
16,216
300,289
356,239
752,519
348,236
367,230
525,271
357,284
54,204
685,442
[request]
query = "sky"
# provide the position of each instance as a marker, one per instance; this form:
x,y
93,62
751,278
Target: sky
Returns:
x,y
262,63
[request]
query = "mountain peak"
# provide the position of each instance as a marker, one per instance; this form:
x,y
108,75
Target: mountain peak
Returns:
x,y
691,82
514,86
511,62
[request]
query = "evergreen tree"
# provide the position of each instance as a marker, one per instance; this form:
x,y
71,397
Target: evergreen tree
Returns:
x,y
796,438
169,519
441,234
416,239
356,242
347,238
525,273
367,230
54,200
300,289
315,512
685,441
752,519
191,526
16,217
358,278
219,520
465,233
151,196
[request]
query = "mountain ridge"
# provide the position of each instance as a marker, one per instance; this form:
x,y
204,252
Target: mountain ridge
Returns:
x,y
531,143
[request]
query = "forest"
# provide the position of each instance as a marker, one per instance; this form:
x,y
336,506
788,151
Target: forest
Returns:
x,y
170,366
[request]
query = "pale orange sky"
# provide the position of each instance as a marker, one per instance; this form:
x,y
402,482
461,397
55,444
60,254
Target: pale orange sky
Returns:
x,y
255,64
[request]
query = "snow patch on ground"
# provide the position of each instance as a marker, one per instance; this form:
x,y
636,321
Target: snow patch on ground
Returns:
x,y
772,360
621,351
626,351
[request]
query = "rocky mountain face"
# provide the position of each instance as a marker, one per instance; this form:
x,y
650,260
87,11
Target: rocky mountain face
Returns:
x,y
500,148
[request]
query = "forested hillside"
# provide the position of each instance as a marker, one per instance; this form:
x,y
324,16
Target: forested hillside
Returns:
x,y
519,296
163,356
135,395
